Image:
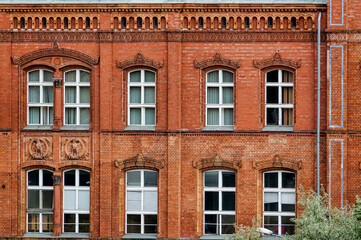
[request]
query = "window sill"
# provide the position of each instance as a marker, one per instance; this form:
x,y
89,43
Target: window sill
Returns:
x,y
38,127
50,235
277,129
215,237
139,128
75,127
140,236
218,128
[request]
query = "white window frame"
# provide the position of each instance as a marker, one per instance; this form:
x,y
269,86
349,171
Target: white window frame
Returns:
x,y
218,189
77,84
75,188
220,106
142,189
278,190
41,84
142,84
279,105
40,188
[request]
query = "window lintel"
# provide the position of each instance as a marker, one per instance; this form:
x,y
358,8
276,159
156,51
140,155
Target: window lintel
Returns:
x,y
139,162
139,61
277,60
217,61
278,163
217,162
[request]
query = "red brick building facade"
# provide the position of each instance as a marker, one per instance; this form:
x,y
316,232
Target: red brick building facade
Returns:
x,y
174,120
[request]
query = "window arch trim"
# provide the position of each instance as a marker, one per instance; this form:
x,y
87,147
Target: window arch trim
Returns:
x,y
217,61
217,163
139,162
277,60
139,61
278,163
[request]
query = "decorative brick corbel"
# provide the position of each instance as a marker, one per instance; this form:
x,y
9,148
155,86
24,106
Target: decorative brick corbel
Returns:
x,y
57,179
139,161
278,162
216,162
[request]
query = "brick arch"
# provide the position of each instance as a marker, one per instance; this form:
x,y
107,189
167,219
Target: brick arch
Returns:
x,y
217,60
38,164
277,163
217,162
139,161
276,60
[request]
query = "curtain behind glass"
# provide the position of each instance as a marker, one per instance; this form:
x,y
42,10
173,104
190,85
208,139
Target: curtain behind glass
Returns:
x,y
84,115
228,116
287,95
287,76
48,76
70,94
228,95
134,76
34,115
149,116
47,94
70,115
84,94
84,76
149,95
287,116
34,76
70,76
212,95
34,94
212,76
135,116
212,116
149,76
227,76
135,95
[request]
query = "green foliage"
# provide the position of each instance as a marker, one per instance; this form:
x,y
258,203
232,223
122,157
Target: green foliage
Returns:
x,y
246,233
357,210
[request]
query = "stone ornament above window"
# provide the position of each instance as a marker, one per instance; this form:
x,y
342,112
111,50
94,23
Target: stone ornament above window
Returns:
x,y
139,60
278,162
74,148
217,162
276,60
139,161
38,148
217,60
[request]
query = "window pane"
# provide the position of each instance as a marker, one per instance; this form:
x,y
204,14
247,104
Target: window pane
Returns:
x,y
133,228
84,94
70,94
69,227
228,219
83,200
149,116
228,95
134,200
270,220
270,201
287,220
287,116
287,95
150,179
47,178
229,179
290,230
228,116
84,76
83,228
33,199
135,95
150,229
228,229
34,94
288,202
135,116
84,115
149,76
227,76
272,95
150,201
133,179
228,201
83,218
50,115
70,76
149,95
48,94
272,76
287,76
211,201
69,199
288,180
272,116
134,76
213,76
34,115
212,116
47,199
34,76
210,218
70,115
47,222
33,178
69,178
212,95
150,219
271,180
48,76
211,179
133,219
84,178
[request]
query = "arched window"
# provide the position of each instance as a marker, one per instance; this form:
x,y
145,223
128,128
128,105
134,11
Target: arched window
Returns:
x,y
200,22
66,23
39,201
279,201
76,201
246,22
219,202
142,202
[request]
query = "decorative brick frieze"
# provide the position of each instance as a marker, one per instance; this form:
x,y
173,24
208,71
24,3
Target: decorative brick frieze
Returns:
x,y
38,148
74,148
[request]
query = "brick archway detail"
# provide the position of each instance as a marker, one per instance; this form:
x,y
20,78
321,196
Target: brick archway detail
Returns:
x,y
278,162
216,162
277,60
139,60
217,60
55,51
139,161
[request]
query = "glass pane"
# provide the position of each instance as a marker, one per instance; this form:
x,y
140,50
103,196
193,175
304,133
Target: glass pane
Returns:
x,y
133,219
134,76
69,227
149,116
228,95
150,179
69,218
212,116
227,76
134,200
84,76
272,76
33,199
47,222
70,94
213,76
69,178
228,219
33,227
288,202
47,178
228,229
272,116
34,94
228,116
150,229
84,178
69,199
133,179
47,94
210,218
212,95
290,230
83,200
287,95
149,76
70,115
83,228
210,229
34,115
33,218
84,94
133,228
287,220
287,76
70,76
149,95
228,201
270,220
135,116
270,201
135,95
150,201
211,179
288,180
45,115
48,76
272,95
271,180
33,178
211,201
34,76
50,115
83,218
287,116
150,219
47,199
229,179
84,115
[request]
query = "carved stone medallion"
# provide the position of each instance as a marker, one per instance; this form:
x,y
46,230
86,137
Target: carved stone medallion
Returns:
x,y
38,148
74,148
